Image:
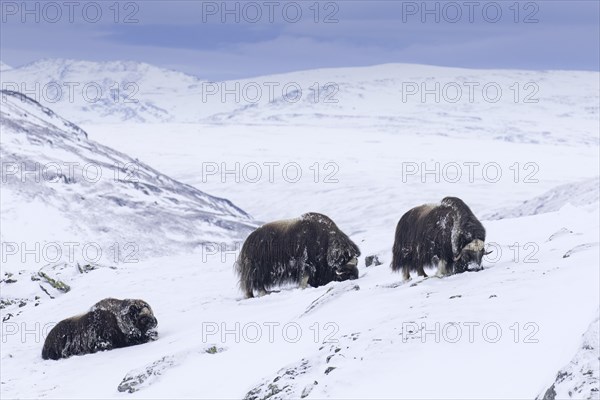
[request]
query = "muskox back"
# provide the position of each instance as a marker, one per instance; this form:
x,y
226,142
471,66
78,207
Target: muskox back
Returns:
x,y
440,235
84,334
310,248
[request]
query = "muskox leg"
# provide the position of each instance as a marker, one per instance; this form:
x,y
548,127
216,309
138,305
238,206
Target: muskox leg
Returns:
x,y
421,271
406,272
441,268
249,293
304,281
262,292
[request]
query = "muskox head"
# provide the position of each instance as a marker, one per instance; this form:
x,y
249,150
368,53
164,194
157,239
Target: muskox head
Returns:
x,y
141,316
470,256
348,271
342,256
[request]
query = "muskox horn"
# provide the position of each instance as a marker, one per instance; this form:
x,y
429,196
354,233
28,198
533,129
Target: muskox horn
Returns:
x,y
488,252
475,245
457,257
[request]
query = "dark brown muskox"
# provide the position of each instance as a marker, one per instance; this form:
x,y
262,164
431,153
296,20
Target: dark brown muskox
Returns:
x,y
310,250
445,235
110,324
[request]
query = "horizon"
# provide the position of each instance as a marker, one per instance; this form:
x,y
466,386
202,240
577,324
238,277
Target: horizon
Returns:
x,y
235,40
293,71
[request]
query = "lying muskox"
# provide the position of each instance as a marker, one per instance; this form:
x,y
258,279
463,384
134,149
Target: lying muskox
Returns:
x,y
310,250
447,236
110,324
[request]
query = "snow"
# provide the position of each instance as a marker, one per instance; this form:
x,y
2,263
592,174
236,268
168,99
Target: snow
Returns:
x,y
557,107
101,192
4,66
583,193
189,297
569,382
102,91
361,338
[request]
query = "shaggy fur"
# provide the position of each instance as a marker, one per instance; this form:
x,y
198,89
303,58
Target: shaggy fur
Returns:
x,y
447,235
307,250
110,324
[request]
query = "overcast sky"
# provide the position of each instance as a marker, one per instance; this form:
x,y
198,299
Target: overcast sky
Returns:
x,y
228,40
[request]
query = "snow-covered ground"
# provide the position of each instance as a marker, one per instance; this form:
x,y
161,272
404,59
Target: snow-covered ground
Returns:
x,y
534,313
504,332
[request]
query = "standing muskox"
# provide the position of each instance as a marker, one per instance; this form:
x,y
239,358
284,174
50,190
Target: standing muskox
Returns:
x,y
110,324
447,235
310,250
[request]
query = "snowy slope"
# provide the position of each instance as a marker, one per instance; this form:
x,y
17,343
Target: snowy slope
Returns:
x,y
578,194
365,345
506,105
580,378
359,339
58,187
104,182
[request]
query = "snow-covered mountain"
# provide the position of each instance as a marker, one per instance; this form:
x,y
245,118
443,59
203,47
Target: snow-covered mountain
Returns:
x,y
115,91
507,105
60,187
4,66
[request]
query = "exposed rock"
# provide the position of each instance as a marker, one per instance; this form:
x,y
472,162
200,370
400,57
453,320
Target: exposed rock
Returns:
x,y
214,350
580,379
579,248
4,302
55,283
283,386
308,389
298,380
143,377
560,233
140,378
84,269
8,278
372,260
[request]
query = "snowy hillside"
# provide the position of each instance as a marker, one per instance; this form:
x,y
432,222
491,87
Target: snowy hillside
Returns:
x,y
580,378
508,105
524,327
585,193
358,339
58,187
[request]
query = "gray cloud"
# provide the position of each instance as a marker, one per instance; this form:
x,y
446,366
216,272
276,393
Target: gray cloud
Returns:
x,y
182,35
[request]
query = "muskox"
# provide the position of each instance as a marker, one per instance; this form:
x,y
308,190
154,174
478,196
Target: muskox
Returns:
x,y
446,235
310,250
110,324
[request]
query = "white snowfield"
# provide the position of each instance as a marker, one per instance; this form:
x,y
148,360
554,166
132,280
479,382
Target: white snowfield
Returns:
x,y
557,107
525,326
